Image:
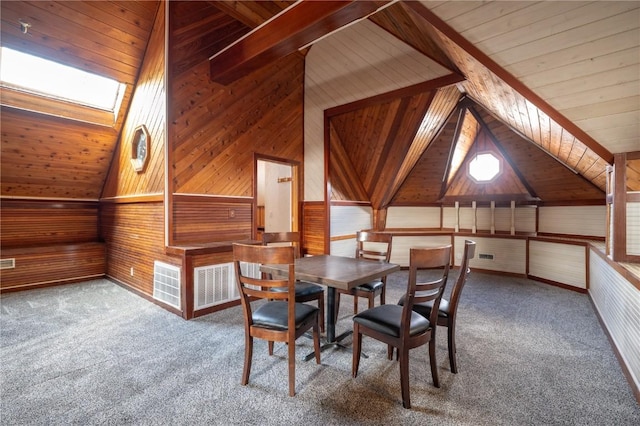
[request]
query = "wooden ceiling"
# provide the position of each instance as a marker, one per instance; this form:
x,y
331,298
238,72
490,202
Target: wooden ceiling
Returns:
x,y
552,86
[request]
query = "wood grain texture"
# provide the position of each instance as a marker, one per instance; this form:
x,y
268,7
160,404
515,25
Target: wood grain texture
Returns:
x,y
52,265
134,237
45,157
211,219
314,232
215,130
298,26
148,107
29,223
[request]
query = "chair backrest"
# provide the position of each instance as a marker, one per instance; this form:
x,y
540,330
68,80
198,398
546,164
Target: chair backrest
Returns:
x,y
252,288
379,249
283,237
468,254
432,290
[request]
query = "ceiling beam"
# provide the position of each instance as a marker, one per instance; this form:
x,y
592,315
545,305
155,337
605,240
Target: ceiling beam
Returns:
x,y
296,27
508,78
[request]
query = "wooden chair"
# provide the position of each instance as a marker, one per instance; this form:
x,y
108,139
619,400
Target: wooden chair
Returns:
x,y
305,292
373,246
399,326
447,311
281,318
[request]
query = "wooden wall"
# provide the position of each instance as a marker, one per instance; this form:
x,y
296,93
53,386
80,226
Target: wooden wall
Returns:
x,y
134,237
217,130
131,208
50,242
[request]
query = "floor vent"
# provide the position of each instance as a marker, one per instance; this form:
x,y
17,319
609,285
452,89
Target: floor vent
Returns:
x,y
216,284
7,264
166,284
485,256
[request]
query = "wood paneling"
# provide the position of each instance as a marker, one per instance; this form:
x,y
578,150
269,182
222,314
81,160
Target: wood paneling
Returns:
x,y
52,264
356,63
617,302
51,158
27,223
114,33
314,228
211,219
148,107
296,27
47,157
382,142
216,130
51,242
134,236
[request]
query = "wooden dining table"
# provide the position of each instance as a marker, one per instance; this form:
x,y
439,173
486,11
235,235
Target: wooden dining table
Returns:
x,y
334,272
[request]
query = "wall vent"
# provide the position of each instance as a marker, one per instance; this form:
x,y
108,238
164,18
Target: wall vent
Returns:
x,y
485,256
166,284
215,284
7,263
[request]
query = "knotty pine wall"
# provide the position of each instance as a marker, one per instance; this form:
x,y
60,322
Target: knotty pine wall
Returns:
x,y
132,204
50,242
215,131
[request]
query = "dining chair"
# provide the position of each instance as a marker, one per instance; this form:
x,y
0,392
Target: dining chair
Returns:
x,y
374,246
278,317
447,312
399,326
305,291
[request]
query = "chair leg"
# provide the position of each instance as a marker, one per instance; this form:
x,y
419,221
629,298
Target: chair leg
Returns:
x,y
270,344
321,314
248,353
390,352
372,300
383,294
451,332
404,377
432,361
355,304
336,309
357,349
292,368
316,340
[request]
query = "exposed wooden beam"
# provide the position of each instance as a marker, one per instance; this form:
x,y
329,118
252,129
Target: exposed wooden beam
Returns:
x,y
296,27
508,78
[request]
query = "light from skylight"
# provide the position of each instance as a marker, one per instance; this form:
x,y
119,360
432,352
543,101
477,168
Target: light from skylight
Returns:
x,y
48,78
484,167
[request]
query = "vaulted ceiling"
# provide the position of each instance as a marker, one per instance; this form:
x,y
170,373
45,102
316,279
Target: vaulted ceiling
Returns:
x,y
553,88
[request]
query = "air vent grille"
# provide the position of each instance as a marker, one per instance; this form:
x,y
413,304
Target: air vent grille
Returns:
x,y
7,263
166,283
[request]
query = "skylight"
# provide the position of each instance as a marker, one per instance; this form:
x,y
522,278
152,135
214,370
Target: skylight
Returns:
x,y
484,167
51,79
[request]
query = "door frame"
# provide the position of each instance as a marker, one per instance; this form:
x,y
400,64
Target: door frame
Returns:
x,y
296,189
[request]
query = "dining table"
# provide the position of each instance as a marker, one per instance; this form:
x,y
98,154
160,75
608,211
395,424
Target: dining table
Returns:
x,y
334,272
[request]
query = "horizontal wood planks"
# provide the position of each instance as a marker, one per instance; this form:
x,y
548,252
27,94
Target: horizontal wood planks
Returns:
x,y
53,264
314,221
211,219
30,223
134,237
51,242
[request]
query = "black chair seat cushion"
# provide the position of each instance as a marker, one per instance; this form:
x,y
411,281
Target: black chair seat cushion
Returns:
x,y
386,319
424,309
371,286
303,289
274,314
